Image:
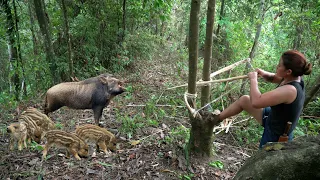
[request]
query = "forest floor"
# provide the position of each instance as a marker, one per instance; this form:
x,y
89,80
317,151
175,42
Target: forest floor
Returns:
x,y
160,153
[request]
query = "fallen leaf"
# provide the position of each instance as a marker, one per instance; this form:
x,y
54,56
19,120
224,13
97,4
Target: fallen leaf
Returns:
x,y
217,173
94,154
33,161
161,135
67,177
91,171
133,143
164,126
132,156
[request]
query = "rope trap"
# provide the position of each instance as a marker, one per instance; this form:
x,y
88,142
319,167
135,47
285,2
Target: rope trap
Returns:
x,y
192,97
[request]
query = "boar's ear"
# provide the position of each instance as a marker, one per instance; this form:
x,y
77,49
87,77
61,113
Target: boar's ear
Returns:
x,y
104,80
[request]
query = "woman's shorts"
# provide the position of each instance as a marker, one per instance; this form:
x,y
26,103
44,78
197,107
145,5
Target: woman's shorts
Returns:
x,y
268,135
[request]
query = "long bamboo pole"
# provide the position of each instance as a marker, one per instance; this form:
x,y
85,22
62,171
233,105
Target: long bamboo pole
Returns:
x,y
229,67
204,83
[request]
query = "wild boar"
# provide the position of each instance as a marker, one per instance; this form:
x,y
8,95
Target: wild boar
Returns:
x,y
42,120
69,141
103,139
18,133
93,93
24,130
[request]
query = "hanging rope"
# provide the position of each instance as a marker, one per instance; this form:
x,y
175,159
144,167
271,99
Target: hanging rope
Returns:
x,y
193,96
215,100
187,95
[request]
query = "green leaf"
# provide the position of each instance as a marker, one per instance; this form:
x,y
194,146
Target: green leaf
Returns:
x,y
217,164
105,164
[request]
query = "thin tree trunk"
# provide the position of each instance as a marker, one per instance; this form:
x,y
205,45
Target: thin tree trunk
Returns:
x,y
34,38
205,93
220,16
312,92
12,49
297,40
262,11
163,28
193,46
193,60
124,16
44,27
23,81
67,33
259,27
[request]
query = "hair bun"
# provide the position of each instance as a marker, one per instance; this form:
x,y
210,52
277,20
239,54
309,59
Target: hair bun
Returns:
x,y
307,69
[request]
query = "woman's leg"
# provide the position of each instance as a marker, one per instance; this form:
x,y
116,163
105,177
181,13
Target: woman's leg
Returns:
x,y
243,103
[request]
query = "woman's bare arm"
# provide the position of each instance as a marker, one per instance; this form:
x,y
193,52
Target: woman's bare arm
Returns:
x,y
268,76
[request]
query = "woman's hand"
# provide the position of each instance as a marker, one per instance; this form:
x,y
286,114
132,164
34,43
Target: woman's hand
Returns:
x,y
253,75
265,75
261,73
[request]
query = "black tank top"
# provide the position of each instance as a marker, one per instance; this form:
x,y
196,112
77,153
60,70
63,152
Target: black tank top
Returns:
x,y
282,113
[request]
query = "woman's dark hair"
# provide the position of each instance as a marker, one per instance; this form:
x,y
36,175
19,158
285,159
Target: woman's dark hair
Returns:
x,y
296,61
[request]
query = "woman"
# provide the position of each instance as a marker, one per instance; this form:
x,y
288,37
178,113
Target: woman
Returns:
x,y
275,108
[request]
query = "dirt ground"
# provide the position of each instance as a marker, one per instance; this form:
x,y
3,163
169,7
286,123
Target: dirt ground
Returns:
x,y
152,158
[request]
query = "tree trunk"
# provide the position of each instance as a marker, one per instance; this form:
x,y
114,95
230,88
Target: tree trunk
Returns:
x,y
23,81
194,146
67,33
44,27
220,16
12,50
193,46
124,19
163,28
312,92
200,143
34,38
297,40
205,92
262,11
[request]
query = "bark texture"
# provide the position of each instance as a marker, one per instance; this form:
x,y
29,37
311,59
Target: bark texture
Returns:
x,y
193,46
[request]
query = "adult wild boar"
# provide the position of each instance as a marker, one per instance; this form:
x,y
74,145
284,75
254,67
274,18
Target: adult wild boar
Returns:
x,y
94,93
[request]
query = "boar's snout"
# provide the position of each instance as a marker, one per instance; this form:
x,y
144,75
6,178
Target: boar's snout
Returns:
x,y
117,89
83,156
83,153
8,130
